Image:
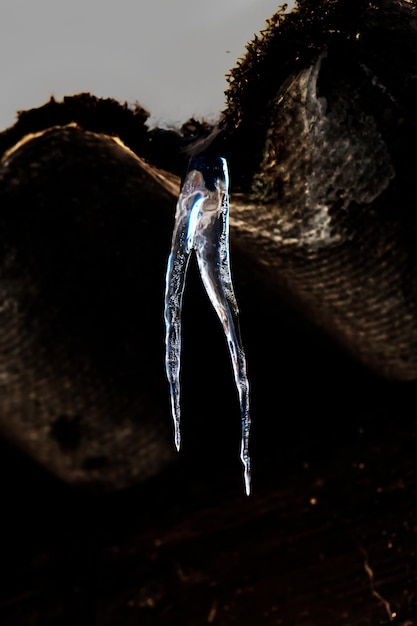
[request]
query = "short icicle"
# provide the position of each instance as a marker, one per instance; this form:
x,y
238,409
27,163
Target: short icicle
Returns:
x,y
202,225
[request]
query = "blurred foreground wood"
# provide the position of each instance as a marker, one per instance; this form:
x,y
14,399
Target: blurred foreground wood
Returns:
x,y
329,535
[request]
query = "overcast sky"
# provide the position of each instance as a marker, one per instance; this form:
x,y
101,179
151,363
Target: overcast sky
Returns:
x,y
169,55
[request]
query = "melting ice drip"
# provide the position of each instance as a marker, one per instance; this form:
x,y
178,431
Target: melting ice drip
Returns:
x,y
202,224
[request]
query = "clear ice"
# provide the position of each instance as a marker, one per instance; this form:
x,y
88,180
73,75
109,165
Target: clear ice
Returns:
x,y
202,225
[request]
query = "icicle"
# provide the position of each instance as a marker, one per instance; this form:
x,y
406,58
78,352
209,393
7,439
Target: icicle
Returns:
x,y
202,225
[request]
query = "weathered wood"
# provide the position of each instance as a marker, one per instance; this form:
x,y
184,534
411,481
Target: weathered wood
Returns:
x,y
328,537
81,299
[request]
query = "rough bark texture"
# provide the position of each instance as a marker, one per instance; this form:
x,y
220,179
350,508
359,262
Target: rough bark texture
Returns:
x,y
84,223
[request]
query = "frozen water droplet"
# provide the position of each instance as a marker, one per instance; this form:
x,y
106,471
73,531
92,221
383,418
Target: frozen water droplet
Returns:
x,y
202,225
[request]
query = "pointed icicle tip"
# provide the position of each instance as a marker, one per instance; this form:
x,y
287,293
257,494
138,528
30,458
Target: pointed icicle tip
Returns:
x,y
202,226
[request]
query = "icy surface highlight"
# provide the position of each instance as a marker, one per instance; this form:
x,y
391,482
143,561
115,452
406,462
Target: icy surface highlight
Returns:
x,y
202,225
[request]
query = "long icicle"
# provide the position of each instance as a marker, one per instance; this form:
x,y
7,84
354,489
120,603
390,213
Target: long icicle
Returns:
x,y
202,225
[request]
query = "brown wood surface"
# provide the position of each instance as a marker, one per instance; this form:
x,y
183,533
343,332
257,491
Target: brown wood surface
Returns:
x,y
328,536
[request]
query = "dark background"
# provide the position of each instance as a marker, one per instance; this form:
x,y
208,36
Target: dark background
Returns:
x,y
327,537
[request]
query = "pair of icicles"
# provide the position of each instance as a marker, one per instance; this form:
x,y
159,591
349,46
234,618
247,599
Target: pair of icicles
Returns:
x,y
202,225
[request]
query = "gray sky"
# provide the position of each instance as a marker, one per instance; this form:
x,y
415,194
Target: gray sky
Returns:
x,y
169,55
